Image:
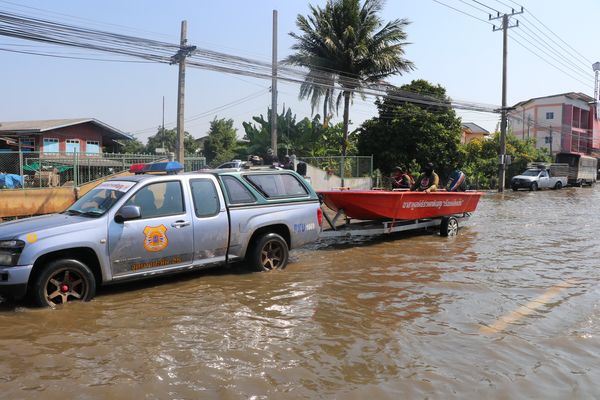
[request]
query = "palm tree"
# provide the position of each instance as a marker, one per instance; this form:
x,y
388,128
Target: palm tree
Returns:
x,y
347,44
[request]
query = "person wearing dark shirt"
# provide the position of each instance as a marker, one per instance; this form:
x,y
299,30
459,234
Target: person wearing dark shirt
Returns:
x,y
428,181
457,181
400,179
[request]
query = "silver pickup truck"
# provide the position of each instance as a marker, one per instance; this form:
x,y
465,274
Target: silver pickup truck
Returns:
x,y
154,224
538,178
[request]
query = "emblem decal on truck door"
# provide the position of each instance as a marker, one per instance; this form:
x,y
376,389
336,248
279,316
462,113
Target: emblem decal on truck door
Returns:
x,y
156,238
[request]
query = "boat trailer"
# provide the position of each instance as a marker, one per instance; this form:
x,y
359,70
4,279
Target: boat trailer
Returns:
x,y
448,225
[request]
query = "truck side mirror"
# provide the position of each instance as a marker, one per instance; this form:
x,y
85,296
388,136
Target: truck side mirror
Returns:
x,y
128,213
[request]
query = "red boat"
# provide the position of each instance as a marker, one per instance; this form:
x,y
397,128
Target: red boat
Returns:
x,y
399,205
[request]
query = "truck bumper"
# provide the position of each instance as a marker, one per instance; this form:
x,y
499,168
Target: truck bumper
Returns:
x,y
13,281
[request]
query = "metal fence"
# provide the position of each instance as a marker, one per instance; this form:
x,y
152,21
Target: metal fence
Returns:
x,y
354,166
37,169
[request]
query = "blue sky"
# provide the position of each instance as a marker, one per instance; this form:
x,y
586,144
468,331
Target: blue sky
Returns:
x,y
449,48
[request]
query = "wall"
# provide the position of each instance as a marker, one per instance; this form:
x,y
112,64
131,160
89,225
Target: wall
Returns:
x,y
83,132
319,180
28,202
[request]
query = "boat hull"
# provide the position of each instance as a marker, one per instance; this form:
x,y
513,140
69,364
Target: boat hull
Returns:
x,y
399,205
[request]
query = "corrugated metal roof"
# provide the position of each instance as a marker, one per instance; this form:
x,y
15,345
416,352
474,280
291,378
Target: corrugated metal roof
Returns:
x,y
571,95
473,127
45,125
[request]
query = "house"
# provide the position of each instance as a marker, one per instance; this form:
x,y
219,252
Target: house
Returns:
x,y
565,122
83,135
472,131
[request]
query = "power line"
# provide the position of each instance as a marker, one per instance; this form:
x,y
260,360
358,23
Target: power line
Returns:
x,y
548,46
553,65
486,6
561,39
462,12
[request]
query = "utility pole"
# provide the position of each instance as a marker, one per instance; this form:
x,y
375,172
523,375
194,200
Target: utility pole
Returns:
x,y
179,58
550,141
503,122
274,88
523,128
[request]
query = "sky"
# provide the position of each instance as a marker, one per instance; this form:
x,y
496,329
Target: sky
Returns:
x,y
449,48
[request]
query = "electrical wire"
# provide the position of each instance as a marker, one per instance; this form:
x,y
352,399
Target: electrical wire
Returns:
x,y
550,63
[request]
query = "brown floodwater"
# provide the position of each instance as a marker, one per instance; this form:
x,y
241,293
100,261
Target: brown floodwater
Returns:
x,y
510,308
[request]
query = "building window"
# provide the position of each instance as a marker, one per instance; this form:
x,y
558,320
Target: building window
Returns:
x,y
50,145
27,144
92,146
72,145
549,115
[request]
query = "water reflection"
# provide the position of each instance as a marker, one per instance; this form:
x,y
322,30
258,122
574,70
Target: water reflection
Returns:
x,y
389,318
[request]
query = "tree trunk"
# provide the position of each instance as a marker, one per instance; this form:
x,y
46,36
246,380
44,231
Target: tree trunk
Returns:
x,y
345,140
325,107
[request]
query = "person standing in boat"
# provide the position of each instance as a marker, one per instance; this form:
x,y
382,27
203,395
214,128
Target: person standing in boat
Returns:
x,y
428,181
400,179
457,181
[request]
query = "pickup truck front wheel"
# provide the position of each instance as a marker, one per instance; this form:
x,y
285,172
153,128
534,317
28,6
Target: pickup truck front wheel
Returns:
x,y
62,281
533,187
269,252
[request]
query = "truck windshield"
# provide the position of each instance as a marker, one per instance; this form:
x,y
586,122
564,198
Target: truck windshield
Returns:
x,y
100,199
531,172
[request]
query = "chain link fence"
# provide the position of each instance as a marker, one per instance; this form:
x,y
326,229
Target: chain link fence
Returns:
x,y
37,170
354,166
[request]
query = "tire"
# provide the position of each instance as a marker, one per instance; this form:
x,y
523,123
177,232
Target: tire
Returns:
x,y
270,252
533,187
63,281
515,188
558,185
449,227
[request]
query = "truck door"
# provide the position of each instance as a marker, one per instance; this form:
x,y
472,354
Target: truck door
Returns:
x,y
210,221
161,239
544,181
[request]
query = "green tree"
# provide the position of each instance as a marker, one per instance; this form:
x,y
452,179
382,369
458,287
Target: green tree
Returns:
x,y
409,133
133,146
220,146
481,159
348,44
167,139
304,138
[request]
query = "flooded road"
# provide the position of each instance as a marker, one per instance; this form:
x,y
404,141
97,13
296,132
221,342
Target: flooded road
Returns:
x,y
510,308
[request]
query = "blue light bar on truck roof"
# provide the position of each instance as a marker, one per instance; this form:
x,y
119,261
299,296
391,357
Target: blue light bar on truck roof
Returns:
x,y
169,167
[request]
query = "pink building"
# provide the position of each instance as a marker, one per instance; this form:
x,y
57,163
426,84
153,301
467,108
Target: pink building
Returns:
x,y
561,123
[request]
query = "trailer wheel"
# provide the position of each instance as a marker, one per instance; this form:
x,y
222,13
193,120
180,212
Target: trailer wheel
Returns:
x,y
269,253
533,187
449,226
558,185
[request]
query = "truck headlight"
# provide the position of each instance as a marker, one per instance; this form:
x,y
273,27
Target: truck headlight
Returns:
x,y
10,250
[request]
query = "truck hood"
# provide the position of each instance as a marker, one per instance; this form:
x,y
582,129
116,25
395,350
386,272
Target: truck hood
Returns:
x,y
524,177
46,225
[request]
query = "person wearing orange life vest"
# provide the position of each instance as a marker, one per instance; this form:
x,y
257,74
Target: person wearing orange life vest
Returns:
x,y
428,181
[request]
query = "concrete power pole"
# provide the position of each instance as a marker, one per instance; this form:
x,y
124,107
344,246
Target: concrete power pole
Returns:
x,y
274,88
503,122
179,58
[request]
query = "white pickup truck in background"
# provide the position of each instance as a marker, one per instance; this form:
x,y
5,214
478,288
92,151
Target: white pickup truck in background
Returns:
x,y
538,178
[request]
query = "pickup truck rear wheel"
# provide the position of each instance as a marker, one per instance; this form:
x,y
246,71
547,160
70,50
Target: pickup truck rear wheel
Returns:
x,y
270,252
558,185
62,281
